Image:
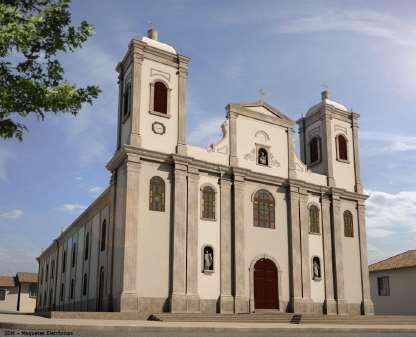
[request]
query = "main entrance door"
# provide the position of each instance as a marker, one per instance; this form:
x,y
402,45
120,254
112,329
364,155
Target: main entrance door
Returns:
x,y
265,285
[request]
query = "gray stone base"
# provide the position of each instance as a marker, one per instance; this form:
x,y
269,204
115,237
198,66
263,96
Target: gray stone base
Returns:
x,y
226,304
193,303
302,305
178,303
330,307
367,307
209,306
241,304
129,302
153,304
342,307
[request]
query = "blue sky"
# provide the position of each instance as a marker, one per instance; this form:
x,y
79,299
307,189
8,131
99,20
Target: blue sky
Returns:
x,y
365,51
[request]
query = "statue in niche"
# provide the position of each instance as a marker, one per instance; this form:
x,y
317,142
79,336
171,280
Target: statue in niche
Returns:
x,y
208,259
263,157
316,269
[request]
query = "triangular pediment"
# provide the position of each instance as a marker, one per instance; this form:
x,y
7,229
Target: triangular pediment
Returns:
x,y
264,108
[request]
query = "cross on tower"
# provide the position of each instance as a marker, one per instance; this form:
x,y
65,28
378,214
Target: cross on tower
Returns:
x,y
151,24
263,94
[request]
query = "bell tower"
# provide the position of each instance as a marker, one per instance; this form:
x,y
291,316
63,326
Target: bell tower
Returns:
x,y
152,81
329,143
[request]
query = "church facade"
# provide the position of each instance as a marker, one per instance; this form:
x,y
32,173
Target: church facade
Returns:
x,y
239,226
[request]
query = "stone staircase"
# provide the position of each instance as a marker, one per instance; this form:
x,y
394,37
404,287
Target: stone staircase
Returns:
x,y
284,318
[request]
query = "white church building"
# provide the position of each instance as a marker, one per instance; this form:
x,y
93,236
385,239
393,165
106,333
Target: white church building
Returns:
x,y
239,226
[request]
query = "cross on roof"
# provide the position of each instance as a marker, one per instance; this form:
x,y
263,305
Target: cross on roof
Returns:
x,y
263,94
152,24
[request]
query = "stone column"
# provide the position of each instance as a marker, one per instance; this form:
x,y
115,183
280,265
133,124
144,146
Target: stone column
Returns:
x,y
178,299
182,79
241,298
367,305
291,154
129,297
192,252
327,144
226,298
120,103
358,185
337,244
329,304
295,251
137,56
304,242
233,139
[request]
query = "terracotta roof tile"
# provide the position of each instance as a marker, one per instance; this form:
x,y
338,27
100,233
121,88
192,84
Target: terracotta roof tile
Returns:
x,y
7,281
403,260
24,277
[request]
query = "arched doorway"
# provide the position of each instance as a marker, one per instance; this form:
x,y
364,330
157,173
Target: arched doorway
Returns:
x,y
265,285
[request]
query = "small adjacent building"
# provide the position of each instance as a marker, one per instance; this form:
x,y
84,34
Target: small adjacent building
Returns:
x,y
392,283
18,293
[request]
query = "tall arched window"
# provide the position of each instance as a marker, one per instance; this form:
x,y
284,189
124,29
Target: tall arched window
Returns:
x,y
74,254
84,285
208,203
348,224
87,246
263,209
314,219
315,150
103,234
157,194
160,98
127,100
342,147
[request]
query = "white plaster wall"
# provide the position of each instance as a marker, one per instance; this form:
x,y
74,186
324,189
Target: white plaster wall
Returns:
x,y
10,303
246,142
351,257
316,249
343,172
273,242
27,303
167,142
209,234
402,299
153,235
205,155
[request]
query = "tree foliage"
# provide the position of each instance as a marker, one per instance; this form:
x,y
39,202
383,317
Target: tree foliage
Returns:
x,y
32,35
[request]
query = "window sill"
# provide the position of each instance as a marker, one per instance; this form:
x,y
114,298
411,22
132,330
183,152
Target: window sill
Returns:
x,y
208,272
264,227
208,219
314,233
345,161
263,165
317,279
315,163
160,114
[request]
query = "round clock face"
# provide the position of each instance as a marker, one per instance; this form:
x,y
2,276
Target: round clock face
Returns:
x,y
158,128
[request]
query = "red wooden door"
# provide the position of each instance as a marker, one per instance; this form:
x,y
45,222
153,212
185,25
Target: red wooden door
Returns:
x,y
265,285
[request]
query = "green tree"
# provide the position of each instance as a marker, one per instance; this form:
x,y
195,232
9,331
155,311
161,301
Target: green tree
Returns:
x,y
32,35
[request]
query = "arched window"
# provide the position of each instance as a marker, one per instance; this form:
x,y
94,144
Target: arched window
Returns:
x,y
157,194
87,246
342,147
263,209
348,224
127,100
315,150
160,98
316,268
74,254
84,285
71,290
208,203
103,234
262,157
314,220
208,259
64,261
62,291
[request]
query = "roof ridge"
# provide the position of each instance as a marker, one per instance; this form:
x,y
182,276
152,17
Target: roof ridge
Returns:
x,y
391,257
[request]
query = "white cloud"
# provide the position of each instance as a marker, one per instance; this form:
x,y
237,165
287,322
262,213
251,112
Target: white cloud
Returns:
x,y
364,22
71,207
206,132
96,190
79,178
17,254
389,142
11,215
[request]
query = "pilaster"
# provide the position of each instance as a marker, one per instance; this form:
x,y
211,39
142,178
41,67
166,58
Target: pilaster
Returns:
x,y
241,300
358,184
295,251
178,300
129,297
327,145
182,83
367,306
304,242
233,139
329,304
120,103
192,297
291,154
337,242
135,96
226,298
